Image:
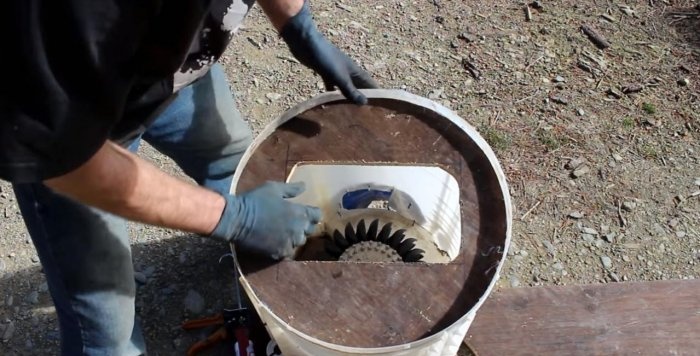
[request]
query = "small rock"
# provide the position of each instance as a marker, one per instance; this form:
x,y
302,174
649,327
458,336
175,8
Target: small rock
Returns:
x,y
650,121
559,79
604,228
614,93
606,261
194,302
273,96
580,112
559,100
140,277
177,342
590,231
33,297
558,266
523,253
697,181
629,205
627,10
9,331
536,5
588,238
610,237
550,248
626,258
614,277
574,163
684,82
2,265
44,287
9,301
467,37
454,44
439,19
680,234
35,258
673,222
148,271
598,243
514,282
28,344
617,157
576,215
580,171
11,255
632,88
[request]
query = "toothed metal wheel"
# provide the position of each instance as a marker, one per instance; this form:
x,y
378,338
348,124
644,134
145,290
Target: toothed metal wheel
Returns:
x,y
370,251
363,244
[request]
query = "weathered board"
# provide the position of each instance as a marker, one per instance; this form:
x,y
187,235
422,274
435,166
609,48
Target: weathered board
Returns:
x,y
372,305
640,318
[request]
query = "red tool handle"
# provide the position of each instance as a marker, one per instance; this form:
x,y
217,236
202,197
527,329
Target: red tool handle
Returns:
x,y
243,343
200,323
218,336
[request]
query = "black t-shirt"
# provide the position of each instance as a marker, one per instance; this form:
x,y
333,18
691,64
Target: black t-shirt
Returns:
x,y
79,72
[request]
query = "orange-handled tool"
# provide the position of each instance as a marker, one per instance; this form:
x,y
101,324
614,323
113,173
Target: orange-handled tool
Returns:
x,y
219,335
217,319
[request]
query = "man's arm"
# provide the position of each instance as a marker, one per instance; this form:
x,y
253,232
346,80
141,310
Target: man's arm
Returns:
x,y
121,183
280,11
117,181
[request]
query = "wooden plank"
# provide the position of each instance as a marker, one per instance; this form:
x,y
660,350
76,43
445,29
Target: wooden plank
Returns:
x,y
375,305
640,318
401,309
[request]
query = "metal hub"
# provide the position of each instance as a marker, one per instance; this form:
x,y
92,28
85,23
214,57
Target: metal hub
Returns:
x,y
370,251
372,244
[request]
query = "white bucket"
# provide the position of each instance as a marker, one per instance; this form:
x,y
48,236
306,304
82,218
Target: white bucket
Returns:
x,y
445,342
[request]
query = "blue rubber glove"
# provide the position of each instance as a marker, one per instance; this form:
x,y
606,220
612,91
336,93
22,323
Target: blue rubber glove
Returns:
x,y
262,221
313,50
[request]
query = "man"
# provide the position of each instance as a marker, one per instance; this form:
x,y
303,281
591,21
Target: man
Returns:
x,y
85,81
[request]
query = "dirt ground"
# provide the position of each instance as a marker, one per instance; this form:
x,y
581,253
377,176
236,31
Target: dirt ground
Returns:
x,y
600,147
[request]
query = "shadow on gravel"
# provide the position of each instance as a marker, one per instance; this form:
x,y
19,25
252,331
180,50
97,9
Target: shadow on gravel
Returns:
x,y
178,270
686,22
27,318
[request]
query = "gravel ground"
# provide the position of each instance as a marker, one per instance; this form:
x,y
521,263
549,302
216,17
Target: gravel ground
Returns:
x,y
600,147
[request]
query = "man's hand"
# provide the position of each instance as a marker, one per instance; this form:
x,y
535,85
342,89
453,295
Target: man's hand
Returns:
x,y
262,221
313,50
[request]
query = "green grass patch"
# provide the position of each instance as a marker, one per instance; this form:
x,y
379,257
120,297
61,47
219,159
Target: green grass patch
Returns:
x,y
499,140
649,108
628,123
648,151
550,140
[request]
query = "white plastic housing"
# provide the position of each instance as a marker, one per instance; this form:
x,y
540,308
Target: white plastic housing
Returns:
x,y
426,196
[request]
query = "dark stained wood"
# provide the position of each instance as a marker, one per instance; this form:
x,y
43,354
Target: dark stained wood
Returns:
x,y
641,318
374,305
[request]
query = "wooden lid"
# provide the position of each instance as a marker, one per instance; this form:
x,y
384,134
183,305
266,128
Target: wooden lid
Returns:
x,y
376,305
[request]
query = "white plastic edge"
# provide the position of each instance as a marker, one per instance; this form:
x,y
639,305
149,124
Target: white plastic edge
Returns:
x,y
401,95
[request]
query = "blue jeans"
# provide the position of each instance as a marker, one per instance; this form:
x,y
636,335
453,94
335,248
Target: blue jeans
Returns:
x,y
85,252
